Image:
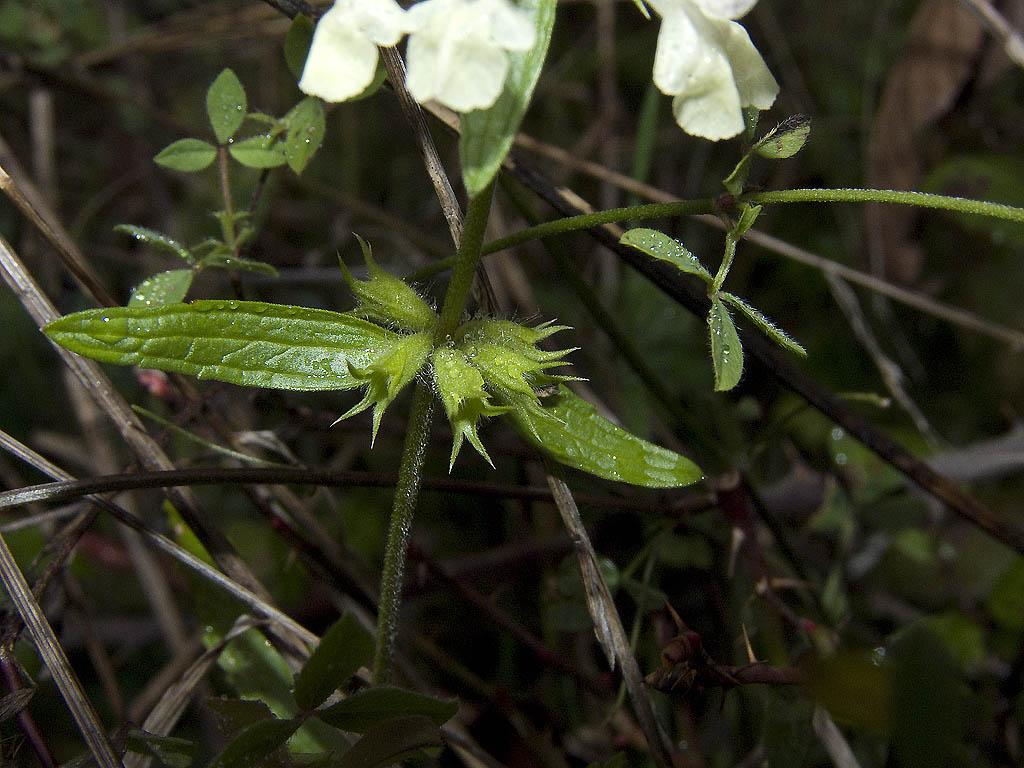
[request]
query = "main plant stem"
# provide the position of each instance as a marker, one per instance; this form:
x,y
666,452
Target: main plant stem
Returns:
x,y
410,472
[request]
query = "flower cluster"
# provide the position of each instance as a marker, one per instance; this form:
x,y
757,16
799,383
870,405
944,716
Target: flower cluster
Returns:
x,y
706,62
458,54
487,368
457,51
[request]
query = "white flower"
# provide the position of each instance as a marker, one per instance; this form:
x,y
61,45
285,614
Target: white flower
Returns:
x,y
457,50
708,64
343,56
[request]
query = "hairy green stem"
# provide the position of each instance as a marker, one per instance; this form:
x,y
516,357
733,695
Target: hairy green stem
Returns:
x,y
899,197
464,266
709,205
410,471
407,492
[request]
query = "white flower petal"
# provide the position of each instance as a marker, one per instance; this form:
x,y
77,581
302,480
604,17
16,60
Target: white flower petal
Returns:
x,y
710,67
474,78
754,80
726,9
343,55
678,52
383,21
340,64
457,50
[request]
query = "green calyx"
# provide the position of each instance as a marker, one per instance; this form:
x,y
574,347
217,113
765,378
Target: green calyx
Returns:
x,y
461,389
387,374
488,368
386,300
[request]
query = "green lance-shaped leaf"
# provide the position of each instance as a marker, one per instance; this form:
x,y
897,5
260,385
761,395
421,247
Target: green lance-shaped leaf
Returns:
x,y
156,239
240,342
390,741
167,287
225,105
726,349
255,743
364,709
343,649
186,155
769,328
487,134
568,429
661,246
263,151
306,124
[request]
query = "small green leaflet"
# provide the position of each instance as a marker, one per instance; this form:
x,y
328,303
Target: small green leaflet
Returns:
x,y
306,124
167,287
661,246
568,429
186,155
156,239
767,327
487,134
785,139
262,151
225,105
241,342
227,261
726,349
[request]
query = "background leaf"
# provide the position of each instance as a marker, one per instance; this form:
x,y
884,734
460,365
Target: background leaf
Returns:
x,y
487,134
726,349
241,342
296,44
186,155
226,105
343,649
390,741
361,710
569,429
255,744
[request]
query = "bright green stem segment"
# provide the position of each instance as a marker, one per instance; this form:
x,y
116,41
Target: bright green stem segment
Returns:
x,y
407,493
417,436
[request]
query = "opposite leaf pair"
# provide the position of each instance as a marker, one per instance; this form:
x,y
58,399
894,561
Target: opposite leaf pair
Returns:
x,y
486,368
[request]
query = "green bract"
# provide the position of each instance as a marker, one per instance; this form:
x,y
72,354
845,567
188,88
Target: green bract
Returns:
x,y
487,368
386,299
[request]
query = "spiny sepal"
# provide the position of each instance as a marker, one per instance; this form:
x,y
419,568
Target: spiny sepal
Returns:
x,y
461,389
386,300
507,357
387,374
